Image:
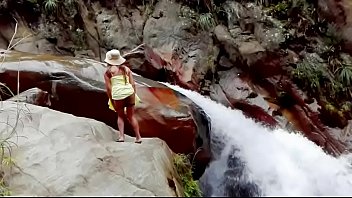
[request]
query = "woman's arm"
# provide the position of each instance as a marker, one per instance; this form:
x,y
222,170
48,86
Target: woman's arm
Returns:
x,y
131,80
108,85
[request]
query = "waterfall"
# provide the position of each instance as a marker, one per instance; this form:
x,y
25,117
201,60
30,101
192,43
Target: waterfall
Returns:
x,y
251,160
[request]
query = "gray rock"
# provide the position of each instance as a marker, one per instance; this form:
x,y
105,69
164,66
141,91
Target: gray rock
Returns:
x,y
58,154
240,48
233,85
122,28
173,37
225,62
252,20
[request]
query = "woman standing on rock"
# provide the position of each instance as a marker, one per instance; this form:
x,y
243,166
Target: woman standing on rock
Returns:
x,y
121,90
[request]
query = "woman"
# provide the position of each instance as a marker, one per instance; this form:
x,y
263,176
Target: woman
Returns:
x,y
121,90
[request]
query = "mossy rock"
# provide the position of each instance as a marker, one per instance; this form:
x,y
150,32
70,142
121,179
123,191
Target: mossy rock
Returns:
x,y
184,170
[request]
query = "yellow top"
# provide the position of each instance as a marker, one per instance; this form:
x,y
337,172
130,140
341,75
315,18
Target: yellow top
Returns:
x,y
119,89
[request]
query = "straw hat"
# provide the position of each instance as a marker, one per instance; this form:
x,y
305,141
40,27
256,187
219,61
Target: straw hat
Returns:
x,y
113,57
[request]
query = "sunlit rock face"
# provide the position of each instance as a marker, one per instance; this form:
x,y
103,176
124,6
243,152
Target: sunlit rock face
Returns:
x,y
58,154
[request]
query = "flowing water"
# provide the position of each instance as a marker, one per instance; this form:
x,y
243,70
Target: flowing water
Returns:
x,y
251,160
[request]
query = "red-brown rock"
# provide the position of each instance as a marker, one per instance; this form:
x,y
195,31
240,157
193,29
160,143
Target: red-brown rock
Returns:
x,y
146,62
305,119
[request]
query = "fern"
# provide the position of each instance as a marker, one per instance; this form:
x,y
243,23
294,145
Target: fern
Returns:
x,y
344,74
206,21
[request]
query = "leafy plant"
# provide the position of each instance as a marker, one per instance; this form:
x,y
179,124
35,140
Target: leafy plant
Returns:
x,y
280,10
312,73
184,170
206,21
50,5
344,74
347,106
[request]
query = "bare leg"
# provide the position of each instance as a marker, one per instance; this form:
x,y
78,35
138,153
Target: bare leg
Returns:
x,y
121,125
120,119
134,123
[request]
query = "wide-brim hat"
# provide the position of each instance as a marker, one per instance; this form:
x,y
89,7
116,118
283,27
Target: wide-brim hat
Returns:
x,y
113,57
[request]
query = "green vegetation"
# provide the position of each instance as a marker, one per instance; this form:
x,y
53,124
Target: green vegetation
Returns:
x,y
331,81
344,74
204,21
280,10
184,170
312,74
298,15
52,6
6,161
324,72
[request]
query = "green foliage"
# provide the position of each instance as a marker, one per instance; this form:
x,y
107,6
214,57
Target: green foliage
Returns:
x,y
344,74
50,5
206,21
280,10
312,73
298,15
184,170
346,106
330,82
4,191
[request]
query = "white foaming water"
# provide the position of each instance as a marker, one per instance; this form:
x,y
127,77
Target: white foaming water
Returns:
x,y
281,163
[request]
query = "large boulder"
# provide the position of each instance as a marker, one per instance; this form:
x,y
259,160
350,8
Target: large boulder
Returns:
x,y
120,24
76,86
247,52
58,154
188,52
233,91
